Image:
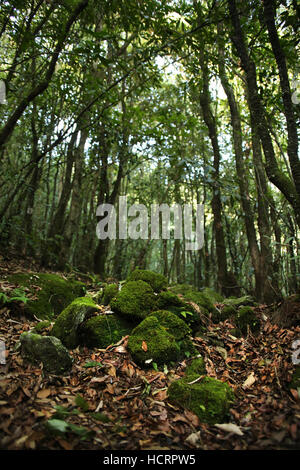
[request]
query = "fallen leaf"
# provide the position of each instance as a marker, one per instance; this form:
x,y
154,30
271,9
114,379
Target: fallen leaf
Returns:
x,y
194,438
44,393
230,427
249,381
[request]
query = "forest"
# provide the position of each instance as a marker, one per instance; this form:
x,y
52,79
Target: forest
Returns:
x,y
149,225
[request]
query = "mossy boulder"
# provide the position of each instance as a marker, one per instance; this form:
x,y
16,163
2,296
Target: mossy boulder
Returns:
x,y
109,292
212,295
205,299
167,300
204,303
51,293
48,350
162,337
195,369
157,281
67,323
227,311
245,318
134,301
209,398
102,330
246,300
181,289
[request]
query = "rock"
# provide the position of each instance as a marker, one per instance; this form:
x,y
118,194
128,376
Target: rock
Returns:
x,y
239,301
212,295
209,398
195,369
158,282
53,295
134,301
245,318
103,330
67,323
205,299
109,292
227,311
42,326
151,342
169,301
162,337
48,350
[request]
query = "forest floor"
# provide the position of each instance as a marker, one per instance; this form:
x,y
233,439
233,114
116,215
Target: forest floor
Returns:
x,y
109,403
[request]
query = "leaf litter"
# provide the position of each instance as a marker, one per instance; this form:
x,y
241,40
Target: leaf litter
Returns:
x,y
108,402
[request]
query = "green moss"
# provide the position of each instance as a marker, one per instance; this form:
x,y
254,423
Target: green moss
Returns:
x,y
42,326
204,299
174,325
167,300
48,350
102,330
208,398
181,288
67,323
239,301
166,337
157,281
109,292
53,294
227,312
205,304
195,369
212,295
135,300
245,317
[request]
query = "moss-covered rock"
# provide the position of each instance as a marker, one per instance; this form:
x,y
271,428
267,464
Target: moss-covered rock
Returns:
x,y
150,341
208,398
181,288
212,295
246,300
157,281
167,300
134,301
42,326
51,292
174,325
48,350
67,323
227,311
166,338
102,330
195,369
109,292
245,318
203,302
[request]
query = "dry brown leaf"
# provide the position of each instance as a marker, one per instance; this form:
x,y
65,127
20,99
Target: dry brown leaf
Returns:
x,y
44,393
249,381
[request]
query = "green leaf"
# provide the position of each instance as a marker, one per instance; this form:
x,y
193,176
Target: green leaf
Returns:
x,y
82,403
57,426
93,364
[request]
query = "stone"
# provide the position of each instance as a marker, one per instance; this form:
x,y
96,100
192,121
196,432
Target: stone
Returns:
x,y
48,350
67,323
